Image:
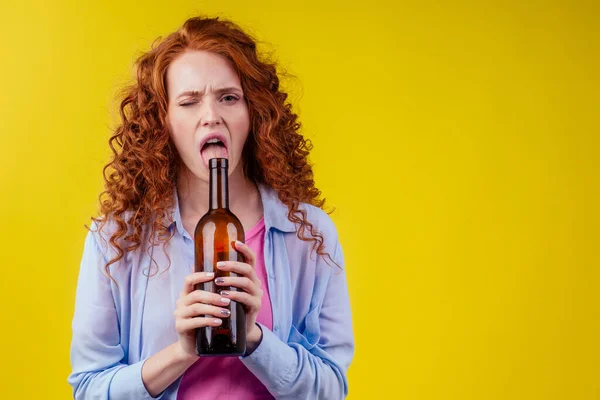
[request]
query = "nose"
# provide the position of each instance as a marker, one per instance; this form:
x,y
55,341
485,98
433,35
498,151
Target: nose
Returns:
x,y
210,115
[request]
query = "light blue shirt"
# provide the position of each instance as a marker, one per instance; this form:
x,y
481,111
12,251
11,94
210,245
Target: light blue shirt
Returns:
x,y
116,328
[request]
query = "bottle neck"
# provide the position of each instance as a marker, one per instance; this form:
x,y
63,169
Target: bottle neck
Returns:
x,y
219,189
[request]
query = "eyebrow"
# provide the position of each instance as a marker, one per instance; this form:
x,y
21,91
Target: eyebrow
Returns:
x,y
198,93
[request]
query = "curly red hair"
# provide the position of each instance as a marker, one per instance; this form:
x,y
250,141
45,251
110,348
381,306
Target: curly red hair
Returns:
x,y
139,178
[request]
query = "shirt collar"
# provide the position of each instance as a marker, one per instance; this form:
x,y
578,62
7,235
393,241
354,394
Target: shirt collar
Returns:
x,y
275,212
176,215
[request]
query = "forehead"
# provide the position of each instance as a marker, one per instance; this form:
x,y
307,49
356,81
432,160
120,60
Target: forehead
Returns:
x,y
199,69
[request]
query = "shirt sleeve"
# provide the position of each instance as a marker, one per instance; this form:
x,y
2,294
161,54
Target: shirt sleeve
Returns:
x,y
98,360
311,366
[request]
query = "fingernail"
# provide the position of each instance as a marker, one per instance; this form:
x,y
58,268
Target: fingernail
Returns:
x,y
238,243
221,264
225,312
210,274
224,300
217,321
220,280
224,293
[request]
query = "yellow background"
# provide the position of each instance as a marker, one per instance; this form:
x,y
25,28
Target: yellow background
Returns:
x,y
458,142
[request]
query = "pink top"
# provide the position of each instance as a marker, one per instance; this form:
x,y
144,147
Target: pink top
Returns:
x,y
224,378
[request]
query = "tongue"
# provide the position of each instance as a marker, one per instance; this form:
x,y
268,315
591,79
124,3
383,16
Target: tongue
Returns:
x,y
213,151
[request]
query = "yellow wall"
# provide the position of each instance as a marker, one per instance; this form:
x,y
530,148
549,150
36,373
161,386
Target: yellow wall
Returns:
x,y
458,142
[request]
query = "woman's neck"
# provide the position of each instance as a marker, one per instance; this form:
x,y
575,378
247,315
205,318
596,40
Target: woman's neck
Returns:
x,y
244,199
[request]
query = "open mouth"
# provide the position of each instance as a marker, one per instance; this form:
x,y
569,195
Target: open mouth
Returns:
x,y
213,148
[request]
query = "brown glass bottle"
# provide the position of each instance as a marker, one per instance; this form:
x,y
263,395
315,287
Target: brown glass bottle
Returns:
x,y
213,241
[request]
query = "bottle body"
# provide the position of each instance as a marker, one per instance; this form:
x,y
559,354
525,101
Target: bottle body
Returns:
x,y
214,237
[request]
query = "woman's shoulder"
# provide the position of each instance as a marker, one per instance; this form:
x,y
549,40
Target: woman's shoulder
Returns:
x,y
107,229
320,219
276,213
105,226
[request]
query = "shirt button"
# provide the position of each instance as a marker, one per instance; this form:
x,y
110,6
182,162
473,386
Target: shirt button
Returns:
x,y
276,327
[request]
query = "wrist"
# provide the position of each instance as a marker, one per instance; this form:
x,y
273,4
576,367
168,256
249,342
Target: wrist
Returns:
x,y
253,338
182,356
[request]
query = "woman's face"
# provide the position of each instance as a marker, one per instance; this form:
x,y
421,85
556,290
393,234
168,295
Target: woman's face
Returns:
x,y
207,113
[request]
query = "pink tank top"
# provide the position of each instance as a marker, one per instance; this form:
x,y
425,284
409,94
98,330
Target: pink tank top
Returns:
x,y
225,378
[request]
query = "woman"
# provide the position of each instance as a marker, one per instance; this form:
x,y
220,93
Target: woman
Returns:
x,y
136,310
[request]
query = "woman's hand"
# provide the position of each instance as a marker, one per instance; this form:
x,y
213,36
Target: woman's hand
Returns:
x,y
250,294
192,305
